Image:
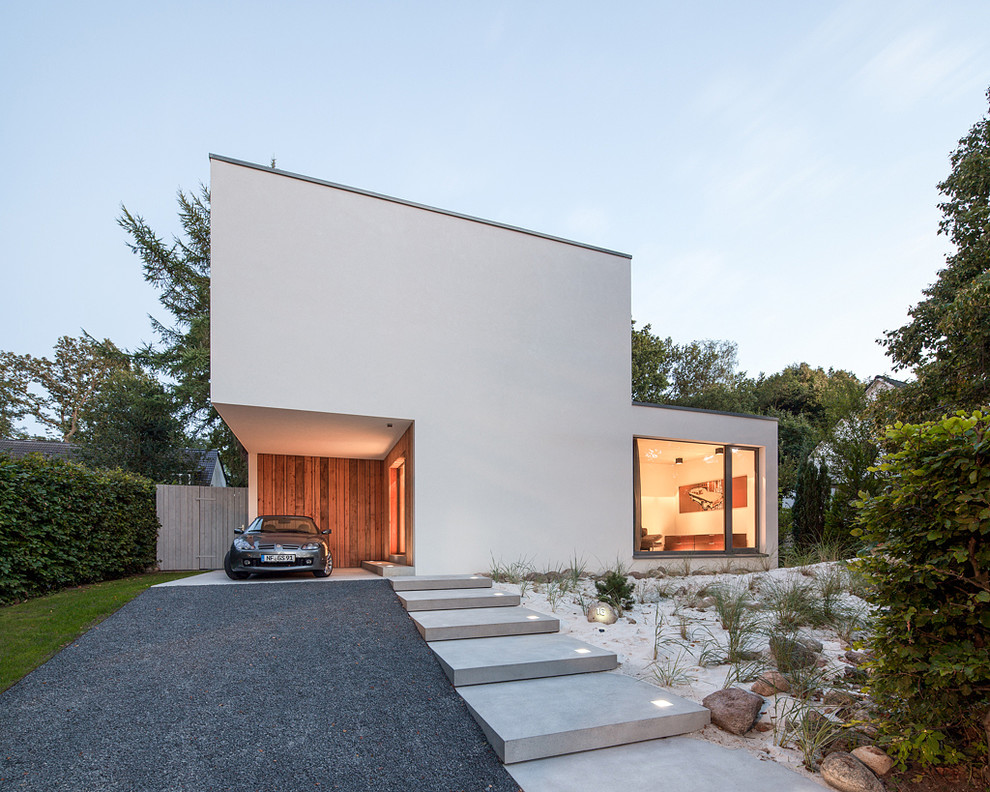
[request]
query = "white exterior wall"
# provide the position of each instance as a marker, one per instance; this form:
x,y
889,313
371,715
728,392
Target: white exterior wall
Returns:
x,y
509,351
672,423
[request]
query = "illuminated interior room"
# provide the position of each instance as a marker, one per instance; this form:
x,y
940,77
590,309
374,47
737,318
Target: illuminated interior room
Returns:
x,y
681,490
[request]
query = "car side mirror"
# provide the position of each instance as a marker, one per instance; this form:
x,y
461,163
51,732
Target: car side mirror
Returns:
x,y
325,531
239,530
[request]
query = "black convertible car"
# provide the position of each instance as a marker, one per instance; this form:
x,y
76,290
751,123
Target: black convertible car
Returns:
x,y
279,543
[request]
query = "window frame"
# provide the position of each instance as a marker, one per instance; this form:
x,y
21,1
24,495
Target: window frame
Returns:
x,y
728,549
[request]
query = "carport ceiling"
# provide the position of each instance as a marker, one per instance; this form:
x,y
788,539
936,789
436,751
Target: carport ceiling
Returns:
x,y
267,430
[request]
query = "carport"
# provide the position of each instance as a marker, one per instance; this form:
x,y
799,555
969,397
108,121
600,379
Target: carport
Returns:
x,y
352,474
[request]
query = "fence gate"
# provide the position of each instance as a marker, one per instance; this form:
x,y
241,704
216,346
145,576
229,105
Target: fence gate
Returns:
x,y
198,524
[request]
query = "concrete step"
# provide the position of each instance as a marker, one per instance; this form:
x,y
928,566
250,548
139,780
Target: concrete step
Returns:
x,y
454,599
536,718
388,569
677,763
447,625
479,661
437,582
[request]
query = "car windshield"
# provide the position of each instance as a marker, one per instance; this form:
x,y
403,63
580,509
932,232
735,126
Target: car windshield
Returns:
x,y
302,525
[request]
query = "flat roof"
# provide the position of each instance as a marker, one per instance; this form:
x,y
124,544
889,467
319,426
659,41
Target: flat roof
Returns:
x,y
702,410
369,194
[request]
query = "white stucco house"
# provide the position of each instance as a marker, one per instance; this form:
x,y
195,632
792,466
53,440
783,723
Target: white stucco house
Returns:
x,y
442,390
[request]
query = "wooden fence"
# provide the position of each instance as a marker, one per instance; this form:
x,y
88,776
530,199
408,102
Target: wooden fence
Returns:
x,y
198,524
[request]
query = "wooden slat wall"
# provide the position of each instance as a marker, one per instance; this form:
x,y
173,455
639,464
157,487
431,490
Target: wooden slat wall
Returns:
x,y
348,496
403,448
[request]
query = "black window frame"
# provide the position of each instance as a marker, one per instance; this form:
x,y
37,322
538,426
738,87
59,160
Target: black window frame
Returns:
x,y
728,550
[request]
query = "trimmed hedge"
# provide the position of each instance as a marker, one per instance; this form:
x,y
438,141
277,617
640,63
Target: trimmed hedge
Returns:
x,y
929,566
63,524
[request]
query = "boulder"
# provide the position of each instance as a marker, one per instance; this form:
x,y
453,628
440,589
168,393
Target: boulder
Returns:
x,y
840,698
846,773
854,674
874,758
770,683
733,709
602,612
810,642
790,653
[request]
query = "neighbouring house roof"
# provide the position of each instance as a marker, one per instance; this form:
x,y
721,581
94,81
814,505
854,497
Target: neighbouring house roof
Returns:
x,y
48,448
208,470
881,383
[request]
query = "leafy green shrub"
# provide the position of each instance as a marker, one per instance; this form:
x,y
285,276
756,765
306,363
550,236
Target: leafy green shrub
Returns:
x,y
930,576
62,524
615,590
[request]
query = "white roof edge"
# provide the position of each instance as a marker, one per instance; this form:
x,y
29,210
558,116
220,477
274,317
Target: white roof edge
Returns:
x,y
413,204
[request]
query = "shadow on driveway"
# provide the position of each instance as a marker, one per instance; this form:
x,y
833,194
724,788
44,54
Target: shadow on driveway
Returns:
x,y
275,687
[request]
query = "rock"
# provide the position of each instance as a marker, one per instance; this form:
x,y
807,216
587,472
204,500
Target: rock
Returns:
x,y
631,620
811,643
707,602
733,709
874,758
789,653
602,612
858,658
860,637
854,674
839,698
770,683
749,655
847,774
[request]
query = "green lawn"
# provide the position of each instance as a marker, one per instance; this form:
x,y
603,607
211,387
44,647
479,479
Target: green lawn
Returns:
x,y
32,631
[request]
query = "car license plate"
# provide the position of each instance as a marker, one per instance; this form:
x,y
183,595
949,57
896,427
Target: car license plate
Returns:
x,y
279,558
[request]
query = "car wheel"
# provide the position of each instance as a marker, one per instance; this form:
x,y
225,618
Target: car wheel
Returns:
x,y
327,569
231,573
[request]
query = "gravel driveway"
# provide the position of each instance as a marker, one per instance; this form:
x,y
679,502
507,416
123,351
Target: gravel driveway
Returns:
x,y
277,687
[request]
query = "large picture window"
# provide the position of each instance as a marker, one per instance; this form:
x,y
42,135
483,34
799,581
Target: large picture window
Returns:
x,y
694,497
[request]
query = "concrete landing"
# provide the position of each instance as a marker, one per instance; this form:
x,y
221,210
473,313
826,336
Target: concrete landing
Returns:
x,y
449,625
387,568
677,763
437,582
449,599
537,718
479,661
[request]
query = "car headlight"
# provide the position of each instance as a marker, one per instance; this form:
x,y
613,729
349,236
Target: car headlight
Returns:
x,y
242,544
311,546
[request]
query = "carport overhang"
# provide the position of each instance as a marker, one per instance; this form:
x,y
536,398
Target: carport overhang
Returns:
x,y
271,430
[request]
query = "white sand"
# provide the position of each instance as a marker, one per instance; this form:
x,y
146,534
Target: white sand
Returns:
x,y
633,643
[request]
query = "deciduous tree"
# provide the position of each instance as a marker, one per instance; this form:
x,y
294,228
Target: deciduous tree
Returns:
x,y
60,388
947,341
131,425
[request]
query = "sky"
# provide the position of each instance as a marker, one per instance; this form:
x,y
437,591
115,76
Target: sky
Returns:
x,y
770,166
